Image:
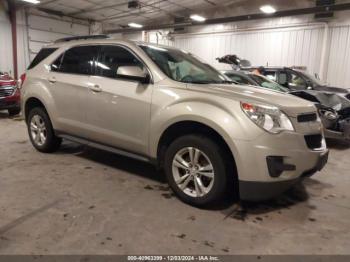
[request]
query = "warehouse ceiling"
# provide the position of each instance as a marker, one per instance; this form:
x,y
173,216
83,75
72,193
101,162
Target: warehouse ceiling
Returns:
x,y
116,13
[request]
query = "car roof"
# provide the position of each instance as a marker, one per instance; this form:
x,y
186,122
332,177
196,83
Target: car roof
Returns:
x,y
98,41
268,67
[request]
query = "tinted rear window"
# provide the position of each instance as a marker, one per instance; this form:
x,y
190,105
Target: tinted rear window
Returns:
x,y
44,53
77,60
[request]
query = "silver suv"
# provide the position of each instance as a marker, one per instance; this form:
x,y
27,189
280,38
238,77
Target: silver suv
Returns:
x,y
165,106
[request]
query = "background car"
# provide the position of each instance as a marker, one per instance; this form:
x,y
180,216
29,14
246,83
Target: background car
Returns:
x,y
247,78
333,108
296,79
9,95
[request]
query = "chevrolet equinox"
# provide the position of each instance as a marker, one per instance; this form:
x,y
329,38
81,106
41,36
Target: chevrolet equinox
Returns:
x,y
163,105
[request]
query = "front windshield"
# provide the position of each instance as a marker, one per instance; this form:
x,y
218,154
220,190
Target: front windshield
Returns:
x,y
312,78
267,83
183,67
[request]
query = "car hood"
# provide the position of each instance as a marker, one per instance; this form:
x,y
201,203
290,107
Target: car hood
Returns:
x,y
331,89
289,104
336,101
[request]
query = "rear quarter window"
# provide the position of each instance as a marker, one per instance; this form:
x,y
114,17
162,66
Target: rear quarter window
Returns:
x,y
43,54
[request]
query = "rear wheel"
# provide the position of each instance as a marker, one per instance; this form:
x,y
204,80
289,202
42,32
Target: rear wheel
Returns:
x,y
41,132
196,170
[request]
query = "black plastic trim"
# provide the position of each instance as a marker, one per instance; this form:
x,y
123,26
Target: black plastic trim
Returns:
x,y
276,166
307,117
104,147
260,191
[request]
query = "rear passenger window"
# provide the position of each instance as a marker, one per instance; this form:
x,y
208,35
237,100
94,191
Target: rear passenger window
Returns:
x,y
271,75
112,57
77,60
43,54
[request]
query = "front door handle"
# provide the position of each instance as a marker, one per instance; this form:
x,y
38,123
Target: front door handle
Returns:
x,y
52,80
95,88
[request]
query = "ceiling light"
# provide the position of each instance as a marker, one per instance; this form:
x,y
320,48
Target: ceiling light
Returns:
x,y
32,1
135,25
268,9
197,18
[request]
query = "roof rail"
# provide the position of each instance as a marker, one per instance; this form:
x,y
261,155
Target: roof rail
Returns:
x,y
82,37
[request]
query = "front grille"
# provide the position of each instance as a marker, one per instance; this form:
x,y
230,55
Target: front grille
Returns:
x,y
313,141
6,91
307,117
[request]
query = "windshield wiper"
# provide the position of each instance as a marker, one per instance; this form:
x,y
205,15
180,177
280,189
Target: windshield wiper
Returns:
x,y
198,82
210,82
229,82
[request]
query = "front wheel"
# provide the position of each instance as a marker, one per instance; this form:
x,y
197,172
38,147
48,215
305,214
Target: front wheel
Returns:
x,y
196,170
41,132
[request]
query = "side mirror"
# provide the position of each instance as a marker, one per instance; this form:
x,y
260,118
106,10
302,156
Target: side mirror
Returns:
x,y
133,73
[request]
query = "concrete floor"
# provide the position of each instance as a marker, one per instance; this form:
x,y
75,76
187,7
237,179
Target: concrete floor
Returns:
x,y
85,201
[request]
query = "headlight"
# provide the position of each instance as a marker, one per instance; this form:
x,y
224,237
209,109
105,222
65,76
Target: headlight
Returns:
x,y
270,118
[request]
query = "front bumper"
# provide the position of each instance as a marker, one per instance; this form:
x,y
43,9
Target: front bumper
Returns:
x,y
256,179
259,191
342,134
9,104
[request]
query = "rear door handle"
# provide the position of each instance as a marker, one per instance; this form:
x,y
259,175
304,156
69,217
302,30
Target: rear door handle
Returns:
x,y
95,88
52,80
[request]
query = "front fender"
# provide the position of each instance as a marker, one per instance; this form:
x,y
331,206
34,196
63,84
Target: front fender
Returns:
x,y
229,125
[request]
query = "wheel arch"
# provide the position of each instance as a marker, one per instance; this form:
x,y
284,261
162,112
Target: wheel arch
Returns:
x,y
178,129
31,103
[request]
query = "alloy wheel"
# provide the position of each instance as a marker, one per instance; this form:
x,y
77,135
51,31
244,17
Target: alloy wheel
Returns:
x,y
193,172
38,130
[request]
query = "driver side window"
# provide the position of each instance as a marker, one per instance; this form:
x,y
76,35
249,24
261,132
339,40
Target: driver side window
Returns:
x,y
112,57
296,81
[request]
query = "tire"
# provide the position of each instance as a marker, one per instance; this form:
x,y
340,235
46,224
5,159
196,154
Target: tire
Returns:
x,y
38,122
14,111
209,153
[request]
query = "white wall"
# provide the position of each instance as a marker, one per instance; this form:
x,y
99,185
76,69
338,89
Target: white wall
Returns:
x,y
6,60
296,46
34,30
43,30
278,42
338,73
23,58
282,42
288,41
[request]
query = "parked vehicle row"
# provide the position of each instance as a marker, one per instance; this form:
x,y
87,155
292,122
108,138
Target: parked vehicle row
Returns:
x,y
163,105
9,95
296,79
333,107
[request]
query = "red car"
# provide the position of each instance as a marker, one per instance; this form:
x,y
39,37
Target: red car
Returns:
x,y
9,95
